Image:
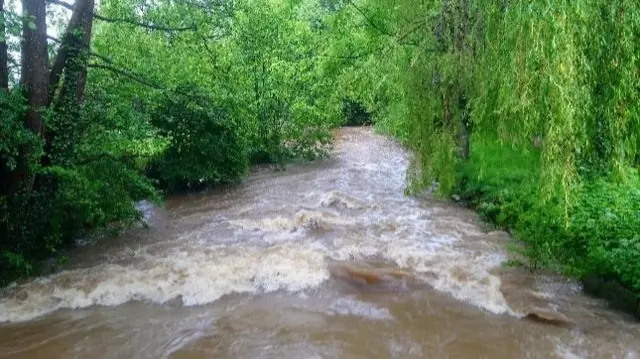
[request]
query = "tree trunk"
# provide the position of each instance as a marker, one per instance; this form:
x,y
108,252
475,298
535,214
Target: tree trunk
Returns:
x,y
72,58
75,46
87,27
70,42
35,62
35,79
4,86
4,54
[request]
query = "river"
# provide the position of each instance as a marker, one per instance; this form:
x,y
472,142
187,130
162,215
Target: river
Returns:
x,y
324,260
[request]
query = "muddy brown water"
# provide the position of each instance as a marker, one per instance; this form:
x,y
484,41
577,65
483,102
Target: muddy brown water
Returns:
x,y
266,270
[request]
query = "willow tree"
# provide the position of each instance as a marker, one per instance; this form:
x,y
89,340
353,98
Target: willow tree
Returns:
x,y
510,71
568,72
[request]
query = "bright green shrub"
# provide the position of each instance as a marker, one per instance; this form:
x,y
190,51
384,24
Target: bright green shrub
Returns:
x,y
601,237
95,187
205,143
604,235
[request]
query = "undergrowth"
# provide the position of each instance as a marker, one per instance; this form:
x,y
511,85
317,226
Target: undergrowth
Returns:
x,y
601,236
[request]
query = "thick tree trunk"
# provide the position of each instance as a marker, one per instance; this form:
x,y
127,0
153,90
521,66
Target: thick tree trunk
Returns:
x,y
4,54
81,19
87,27
4,86
35,79
74,51
72,59
35,62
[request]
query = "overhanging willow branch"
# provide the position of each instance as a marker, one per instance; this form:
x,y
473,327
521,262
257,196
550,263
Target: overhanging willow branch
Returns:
x,y
368,19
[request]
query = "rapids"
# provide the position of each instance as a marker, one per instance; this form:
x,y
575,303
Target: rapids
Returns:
x,y
324,260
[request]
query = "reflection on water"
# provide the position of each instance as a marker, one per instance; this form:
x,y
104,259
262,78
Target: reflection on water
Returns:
x,y
326,260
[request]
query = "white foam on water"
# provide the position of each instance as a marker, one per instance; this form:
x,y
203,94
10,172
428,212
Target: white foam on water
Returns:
x,y
203,272
565,352
341,199
303,219
353,307
202,275
271,254
446,268
199,277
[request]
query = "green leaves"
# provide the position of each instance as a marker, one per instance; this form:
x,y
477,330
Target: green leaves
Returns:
x,y
179,95
562,72
604,219
206,146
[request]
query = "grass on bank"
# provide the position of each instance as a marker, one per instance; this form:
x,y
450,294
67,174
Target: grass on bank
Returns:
x,y
602,236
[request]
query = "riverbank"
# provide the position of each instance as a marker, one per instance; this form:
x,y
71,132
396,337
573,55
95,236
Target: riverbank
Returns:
x,y
600,245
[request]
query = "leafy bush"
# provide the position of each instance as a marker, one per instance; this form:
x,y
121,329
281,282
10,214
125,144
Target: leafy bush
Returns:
x,y
602,235
355,113
94,189
205,143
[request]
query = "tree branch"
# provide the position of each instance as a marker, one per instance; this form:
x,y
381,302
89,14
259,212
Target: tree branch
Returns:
x,y
128,74
107,156
144,25
419,25
61,3
110,65
127,21
368,19
399,40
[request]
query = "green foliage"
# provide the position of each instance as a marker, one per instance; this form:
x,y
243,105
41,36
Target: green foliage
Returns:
x,y
13,135
468,86
90,189
605,230
205,144
179,95
602,236
515,69
291,108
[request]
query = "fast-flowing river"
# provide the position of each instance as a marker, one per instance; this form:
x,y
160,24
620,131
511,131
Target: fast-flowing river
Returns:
x,y
323,260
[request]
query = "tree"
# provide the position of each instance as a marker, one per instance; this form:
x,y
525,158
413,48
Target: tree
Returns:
x,y
4,55
190,93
